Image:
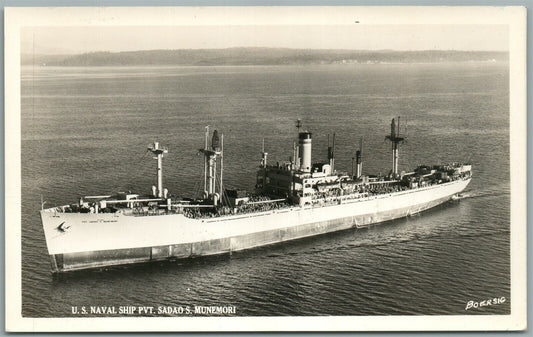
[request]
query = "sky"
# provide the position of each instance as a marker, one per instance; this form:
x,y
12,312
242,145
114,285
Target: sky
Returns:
x,y
73,40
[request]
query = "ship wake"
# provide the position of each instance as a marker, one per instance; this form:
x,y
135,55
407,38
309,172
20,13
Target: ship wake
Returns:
x,y
493,191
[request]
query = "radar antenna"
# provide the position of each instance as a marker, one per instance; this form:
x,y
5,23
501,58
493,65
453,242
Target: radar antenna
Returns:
x,y
298,124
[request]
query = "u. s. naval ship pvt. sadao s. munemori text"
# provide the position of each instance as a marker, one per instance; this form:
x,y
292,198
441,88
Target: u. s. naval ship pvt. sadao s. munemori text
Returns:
x,y
292,200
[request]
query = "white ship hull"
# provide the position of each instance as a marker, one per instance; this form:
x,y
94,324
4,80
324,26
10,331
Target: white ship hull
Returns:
x,y
85,240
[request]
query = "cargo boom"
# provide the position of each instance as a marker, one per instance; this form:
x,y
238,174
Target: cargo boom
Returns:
x,y
293,200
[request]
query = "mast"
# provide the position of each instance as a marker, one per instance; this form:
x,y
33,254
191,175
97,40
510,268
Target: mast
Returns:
x,y
395,140
159,152
210,166
293,157
205,161
221,166
359,160
332,164
297,152
263,155
331,154
296,157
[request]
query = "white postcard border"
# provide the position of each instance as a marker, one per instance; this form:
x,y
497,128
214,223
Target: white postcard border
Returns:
x,y
514,17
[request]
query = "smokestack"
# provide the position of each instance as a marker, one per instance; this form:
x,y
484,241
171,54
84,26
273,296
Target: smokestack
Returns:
x,y
305,151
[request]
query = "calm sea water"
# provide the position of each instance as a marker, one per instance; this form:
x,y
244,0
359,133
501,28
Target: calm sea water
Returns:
x,y
85,132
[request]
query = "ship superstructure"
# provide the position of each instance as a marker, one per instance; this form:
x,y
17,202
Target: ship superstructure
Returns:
x,y
292,200
302,183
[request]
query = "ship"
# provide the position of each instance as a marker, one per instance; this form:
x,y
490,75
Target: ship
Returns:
x,y
292,200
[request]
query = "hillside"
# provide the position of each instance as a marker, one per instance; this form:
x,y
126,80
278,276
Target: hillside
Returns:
x,y
258,56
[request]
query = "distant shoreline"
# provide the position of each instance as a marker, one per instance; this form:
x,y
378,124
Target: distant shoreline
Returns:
x,y
170,66
260,56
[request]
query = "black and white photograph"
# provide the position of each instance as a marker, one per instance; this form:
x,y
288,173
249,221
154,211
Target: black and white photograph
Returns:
x,y
265,168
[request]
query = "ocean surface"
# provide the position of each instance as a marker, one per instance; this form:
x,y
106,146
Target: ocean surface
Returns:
x,y
85,131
